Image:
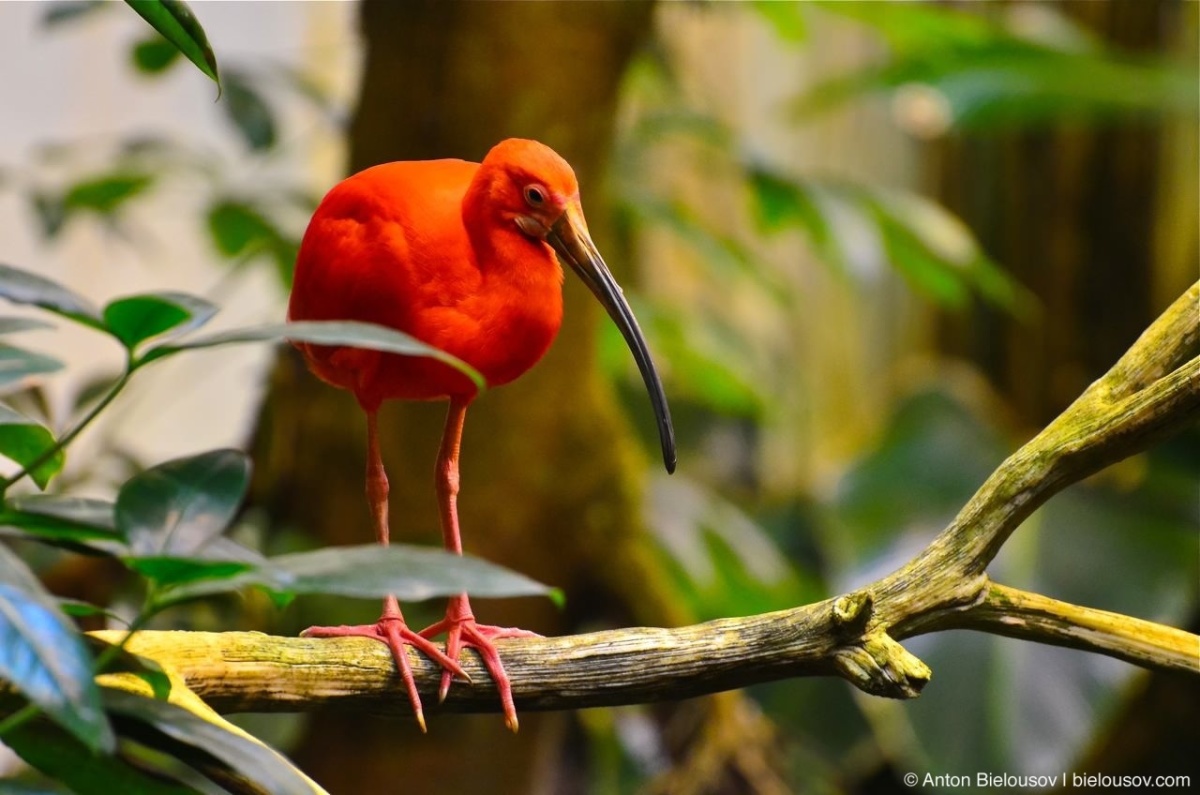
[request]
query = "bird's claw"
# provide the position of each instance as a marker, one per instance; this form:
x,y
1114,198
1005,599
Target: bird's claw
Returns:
x,y
465,632
395,634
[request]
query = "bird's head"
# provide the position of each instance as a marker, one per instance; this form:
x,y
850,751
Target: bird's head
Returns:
x,y
539,193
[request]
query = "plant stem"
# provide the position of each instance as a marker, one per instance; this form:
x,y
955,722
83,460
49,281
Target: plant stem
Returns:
x,y
70,435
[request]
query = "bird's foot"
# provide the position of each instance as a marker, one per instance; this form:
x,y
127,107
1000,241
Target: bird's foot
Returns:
x,y
462,631
392,631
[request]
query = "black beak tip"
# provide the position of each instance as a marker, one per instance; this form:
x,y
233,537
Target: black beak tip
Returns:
x,y
669,461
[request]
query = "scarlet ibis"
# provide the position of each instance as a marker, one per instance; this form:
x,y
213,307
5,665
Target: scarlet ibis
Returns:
x,y
461,256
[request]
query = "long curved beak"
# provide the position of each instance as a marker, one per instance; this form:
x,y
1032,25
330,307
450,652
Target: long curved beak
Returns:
x,y
570,240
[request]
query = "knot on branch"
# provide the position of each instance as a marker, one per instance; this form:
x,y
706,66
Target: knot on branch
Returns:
x,y
852,611
882,667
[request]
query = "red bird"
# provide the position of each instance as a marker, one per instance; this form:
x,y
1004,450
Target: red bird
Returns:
x,y
461,256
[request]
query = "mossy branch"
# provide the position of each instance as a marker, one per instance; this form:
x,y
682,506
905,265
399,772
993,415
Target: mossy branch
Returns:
x,y
1153,391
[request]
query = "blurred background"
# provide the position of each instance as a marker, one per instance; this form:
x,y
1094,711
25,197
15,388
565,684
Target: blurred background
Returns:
x,y
874,248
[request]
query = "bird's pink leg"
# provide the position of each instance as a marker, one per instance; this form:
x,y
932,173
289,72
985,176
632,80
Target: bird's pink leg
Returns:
x,y
390,628
459,624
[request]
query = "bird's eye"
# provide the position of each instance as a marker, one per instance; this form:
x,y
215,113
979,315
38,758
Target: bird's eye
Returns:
x,y
535,196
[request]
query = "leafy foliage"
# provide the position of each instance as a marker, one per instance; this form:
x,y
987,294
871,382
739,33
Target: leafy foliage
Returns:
x,y
167,525
989,76
43,656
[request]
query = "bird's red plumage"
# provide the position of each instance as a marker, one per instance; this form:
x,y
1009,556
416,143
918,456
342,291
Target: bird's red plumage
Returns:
x,y
462,256
397,245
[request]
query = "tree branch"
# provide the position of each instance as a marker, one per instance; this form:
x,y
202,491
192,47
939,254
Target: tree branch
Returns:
x,y
1152,391
1030,616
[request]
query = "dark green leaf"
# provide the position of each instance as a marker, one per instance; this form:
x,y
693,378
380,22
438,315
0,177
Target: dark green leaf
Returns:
x,y
411,573
17,364
252,760
77,608
23,287
106,193
57,754
69,10
85,512
249,112
51,213
42,656
12,325
154,55
176,571
26,442
175,21
238,228
781,203
938,279
79,524
347,333
938,253
44,787
177,508
136,318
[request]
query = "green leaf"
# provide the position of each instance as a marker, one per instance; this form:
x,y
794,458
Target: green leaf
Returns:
x,y
177,508
136,318
42,655
13,325
940,256
238,228
219,559
249,112
251,759
914,29
23,287
85,512
69,11
51,213
80,524
988,78
105,194
348,333
26,442
57,754
781,203
173,570
787,19
17,364
411,573
77,608
154,55
175,21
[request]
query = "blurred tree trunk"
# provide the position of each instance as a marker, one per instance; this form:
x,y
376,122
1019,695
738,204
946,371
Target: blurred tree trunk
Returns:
x,y
551,472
